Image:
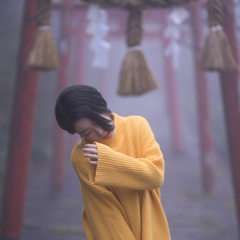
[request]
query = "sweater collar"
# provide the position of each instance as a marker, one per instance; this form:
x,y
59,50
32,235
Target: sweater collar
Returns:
x,y
119,125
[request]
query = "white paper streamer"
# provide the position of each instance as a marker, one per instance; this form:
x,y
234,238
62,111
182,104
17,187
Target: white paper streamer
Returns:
x,y
216,28
173,32
99,29
101,59
178,15
174,50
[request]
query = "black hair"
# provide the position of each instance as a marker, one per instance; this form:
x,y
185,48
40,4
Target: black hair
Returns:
x,y
79,101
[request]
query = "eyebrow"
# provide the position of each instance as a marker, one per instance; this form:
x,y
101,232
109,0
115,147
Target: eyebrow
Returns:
x,y
85,129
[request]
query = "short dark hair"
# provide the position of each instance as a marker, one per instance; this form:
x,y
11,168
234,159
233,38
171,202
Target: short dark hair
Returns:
x,y
78,101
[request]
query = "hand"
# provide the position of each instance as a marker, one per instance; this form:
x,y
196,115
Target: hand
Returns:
x,y
93,152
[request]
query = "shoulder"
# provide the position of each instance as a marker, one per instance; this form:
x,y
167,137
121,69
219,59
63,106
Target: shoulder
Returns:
x,y
77,152
79,162
138,124
137,120
131,125
141,126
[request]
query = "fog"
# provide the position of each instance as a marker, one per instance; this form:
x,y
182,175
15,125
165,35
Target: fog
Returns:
x,y
191,213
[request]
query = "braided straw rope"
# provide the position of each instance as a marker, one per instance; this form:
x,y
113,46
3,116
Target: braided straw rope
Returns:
x,y
140,4
136,77
134,28
215,13
217,54
43,54
43,8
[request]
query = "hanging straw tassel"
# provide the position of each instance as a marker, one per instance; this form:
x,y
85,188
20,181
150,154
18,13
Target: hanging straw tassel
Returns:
x,y
136,77
43,55
217,54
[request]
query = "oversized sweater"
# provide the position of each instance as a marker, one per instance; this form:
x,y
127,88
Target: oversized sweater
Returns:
x,y
121,194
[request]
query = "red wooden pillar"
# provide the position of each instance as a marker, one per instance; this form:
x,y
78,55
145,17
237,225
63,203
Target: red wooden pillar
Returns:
x,y
81,36
229,83
171,81
80,15
63,81
172,93
21,132
205,129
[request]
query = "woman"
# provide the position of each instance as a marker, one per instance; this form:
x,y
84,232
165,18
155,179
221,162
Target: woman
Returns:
x,y
119,165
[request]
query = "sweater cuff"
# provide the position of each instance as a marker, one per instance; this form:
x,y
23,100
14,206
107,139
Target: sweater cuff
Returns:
x,y
92,173
96,172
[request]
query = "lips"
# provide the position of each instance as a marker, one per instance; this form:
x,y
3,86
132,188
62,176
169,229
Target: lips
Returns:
x,y
107,135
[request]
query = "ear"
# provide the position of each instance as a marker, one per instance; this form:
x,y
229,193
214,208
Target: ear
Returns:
x,y
112,116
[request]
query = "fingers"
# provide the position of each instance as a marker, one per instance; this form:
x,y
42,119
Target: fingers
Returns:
x,y
91,145
91,156
93,162
91,150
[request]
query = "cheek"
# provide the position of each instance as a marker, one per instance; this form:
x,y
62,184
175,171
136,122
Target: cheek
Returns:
x,y
93,137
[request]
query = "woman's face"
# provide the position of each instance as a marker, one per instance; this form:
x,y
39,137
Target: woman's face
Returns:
x,y
88,129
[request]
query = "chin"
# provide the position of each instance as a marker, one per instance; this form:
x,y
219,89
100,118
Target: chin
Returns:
x,y
111,134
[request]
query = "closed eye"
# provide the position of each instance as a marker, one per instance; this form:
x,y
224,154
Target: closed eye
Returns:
x,y
87,134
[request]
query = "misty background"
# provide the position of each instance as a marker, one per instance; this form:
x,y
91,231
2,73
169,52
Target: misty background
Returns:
x,y
191,213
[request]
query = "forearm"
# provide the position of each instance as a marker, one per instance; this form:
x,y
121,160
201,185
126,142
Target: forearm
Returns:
x,y
119,170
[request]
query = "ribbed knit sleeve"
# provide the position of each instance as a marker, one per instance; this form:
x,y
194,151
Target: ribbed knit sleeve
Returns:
x,y
116,169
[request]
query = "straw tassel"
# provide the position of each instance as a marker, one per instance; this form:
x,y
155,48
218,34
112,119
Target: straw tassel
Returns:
x,y
43,55
217,54
136,77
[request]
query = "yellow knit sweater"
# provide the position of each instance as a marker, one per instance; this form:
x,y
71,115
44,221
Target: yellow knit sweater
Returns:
x,y
120,194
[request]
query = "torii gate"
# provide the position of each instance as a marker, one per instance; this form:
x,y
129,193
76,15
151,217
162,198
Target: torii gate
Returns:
x,y
16,180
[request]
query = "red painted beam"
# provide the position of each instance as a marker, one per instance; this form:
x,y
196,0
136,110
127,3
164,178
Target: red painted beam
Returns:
x,y
63,82
229,83
22,122
205,128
